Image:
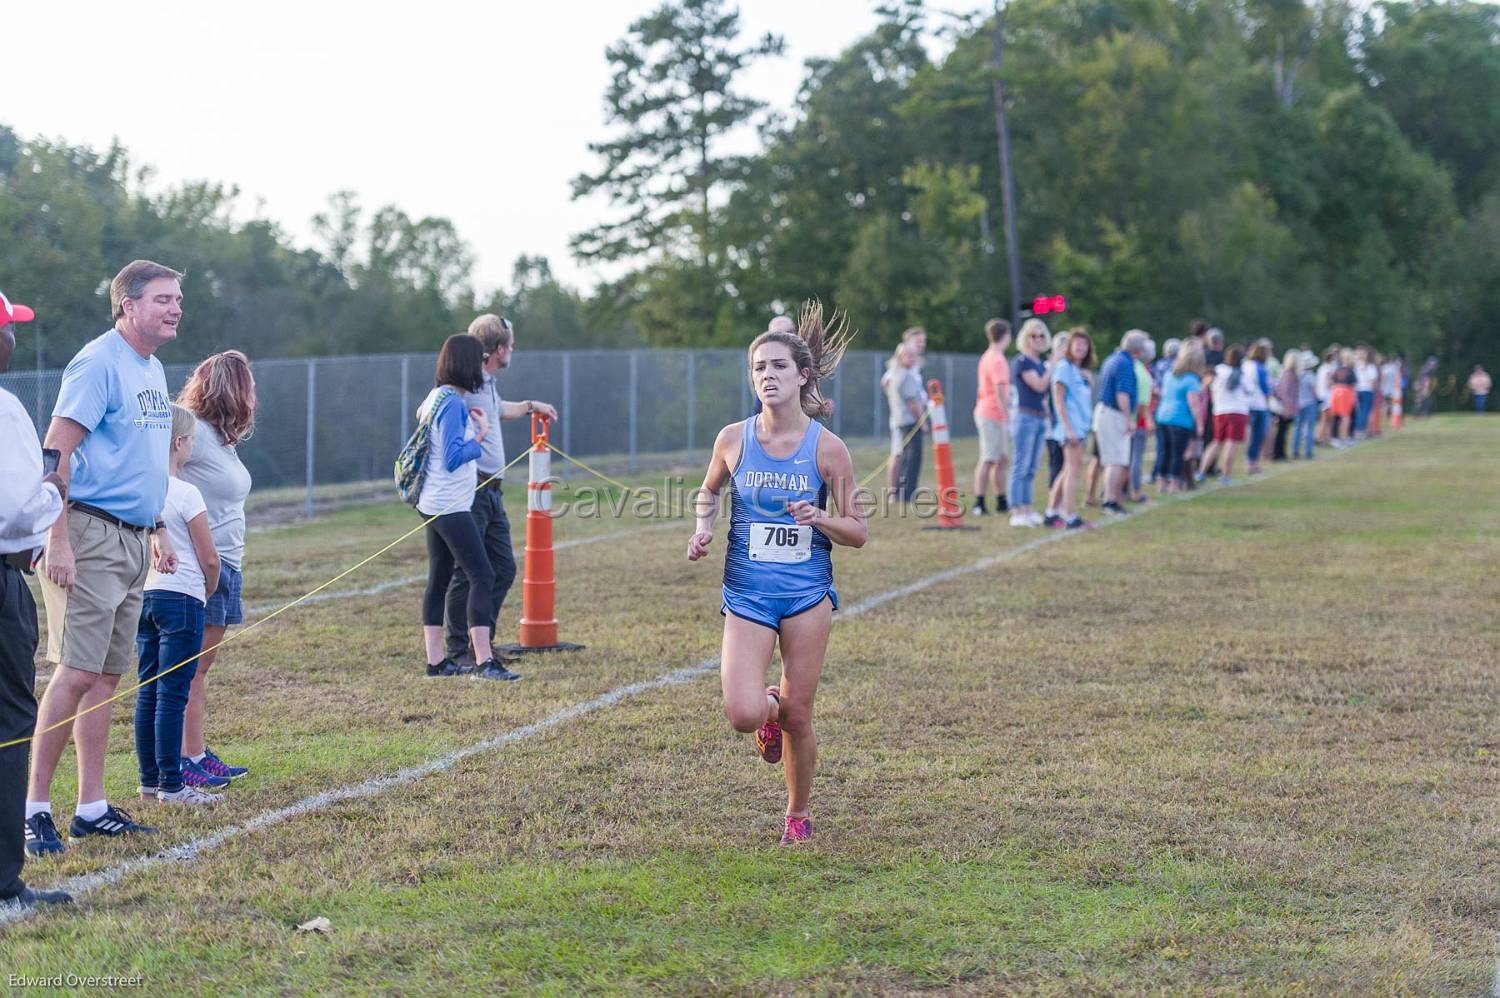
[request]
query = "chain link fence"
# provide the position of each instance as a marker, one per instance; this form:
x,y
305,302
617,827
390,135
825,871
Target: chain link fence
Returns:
x,y
336,420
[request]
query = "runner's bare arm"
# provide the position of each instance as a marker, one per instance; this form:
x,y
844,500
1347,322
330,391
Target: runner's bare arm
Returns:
x,y
849,526
706,499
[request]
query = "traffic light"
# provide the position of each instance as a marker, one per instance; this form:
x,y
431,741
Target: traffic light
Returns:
x,y
1047,304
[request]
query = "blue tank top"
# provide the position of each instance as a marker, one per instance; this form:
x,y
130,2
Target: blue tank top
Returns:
x,y
768,554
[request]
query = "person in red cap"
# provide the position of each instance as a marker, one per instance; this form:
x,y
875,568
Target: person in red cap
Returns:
x,y
31,500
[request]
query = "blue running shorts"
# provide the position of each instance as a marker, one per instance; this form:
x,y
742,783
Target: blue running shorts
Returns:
x,y
770,611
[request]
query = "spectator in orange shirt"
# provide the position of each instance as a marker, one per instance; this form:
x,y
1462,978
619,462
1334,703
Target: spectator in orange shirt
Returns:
x,y
990,405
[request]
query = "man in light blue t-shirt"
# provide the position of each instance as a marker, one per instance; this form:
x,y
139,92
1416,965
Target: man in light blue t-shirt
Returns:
x,y
113,426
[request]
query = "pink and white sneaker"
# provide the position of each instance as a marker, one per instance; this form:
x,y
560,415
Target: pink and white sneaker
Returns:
x,y
768,737
797,830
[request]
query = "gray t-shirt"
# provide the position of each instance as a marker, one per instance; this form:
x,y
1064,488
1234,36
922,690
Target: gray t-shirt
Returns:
x,y
215,468
902,387
492,447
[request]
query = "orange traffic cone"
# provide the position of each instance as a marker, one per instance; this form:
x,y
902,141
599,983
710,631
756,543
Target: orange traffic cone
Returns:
x,y
538,582
950,513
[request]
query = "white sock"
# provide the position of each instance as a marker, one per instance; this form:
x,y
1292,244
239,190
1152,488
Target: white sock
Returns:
x,y
199,757
1051,511
36,807
93,809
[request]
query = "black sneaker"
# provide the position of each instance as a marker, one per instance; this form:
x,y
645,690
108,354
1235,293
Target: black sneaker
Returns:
x,y
112,822
1113,507
1001,506
448,667
41,835
494,670
29,897
1053,521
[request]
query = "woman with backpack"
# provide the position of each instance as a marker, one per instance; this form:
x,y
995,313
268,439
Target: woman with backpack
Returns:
x,y
447,497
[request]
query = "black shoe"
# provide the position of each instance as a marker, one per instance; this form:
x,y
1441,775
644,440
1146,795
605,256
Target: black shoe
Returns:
x,y
1001,506
29,897
1113,507
41,835
448,667
112,822
494,670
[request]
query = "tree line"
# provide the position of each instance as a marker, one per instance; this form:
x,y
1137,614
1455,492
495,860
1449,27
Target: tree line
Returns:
x,y
1313,172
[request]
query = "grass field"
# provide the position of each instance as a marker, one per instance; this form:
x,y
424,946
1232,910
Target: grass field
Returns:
x,y
1244,743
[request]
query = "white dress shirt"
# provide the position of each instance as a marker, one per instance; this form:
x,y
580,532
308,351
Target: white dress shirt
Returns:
x,y
28,505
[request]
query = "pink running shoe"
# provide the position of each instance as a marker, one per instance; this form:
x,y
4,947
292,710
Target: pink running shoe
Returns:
x,y
797,830
768,738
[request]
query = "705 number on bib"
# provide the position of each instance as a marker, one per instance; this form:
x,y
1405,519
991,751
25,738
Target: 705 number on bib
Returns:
x,y
786,543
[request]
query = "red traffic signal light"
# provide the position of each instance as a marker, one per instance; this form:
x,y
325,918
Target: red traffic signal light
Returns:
x,y
1047,304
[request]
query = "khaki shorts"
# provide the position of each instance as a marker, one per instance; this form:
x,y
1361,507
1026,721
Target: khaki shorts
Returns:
x,y
93,627
994,439
1112,436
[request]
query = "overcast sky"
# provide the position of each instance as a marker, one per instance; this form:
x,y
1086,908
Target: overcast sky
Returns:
x,y
479,112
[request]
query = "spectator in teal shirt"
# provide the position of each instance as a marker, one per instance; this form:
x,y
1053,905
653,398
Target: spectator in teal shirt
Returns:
x,y
1073,400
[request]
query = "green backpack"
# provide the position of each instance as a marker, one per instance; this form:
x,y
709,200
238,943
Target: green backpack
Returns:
x,y
411,463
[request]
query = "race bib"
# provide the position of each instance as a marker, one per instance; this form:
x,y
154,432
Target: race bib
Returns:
x,y
787,543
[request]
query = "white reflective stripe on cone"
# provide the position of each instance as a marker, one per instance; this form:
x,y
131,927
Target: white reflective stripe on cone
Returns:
x,y
939,425
541,465
539,497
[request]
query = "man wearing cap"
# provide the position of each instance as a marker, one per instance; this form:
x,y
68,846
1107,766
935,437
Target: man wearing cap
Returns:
x,y
31,500
112,426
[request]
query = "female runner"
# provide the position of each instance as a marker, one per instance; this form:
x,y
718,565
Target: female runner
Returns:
x,y
781,467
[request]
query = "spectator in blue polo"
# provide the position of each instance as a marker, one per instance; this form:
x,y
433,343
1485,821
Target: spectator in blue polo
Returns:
x,y
1115,417
113,426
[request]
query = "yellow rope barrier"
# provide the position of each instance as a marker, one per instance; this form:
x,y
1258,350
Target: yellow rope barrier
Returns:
x,y
593,471
250,627
365,561
895,454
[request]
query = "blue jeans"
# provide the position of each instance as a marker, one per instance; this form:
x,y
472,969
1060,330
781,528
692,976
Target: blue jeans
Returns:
x,y
1260,425
171,631
1027,430
1365,401
1305,430
1479,401
1159,463
1137,455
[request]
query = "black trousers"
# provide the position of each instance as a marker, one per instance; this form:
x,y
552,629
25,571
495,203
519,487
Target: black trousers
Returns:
x,y
453,540
1054,461
18,637
1283,424
494,533
1176,439
908,464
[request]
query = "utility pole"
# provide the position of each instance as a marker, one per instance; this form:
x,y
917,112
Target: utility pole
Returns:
x,y
1007,180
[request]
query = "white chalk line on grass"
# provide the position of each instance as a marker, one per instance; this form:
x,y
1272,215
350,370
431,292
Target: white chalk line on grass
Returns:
x,y
411,580
375,786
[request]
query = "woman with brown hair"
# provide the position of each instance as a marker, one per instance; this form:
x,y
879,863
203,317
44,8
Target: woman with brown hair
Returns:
x,y
1258,384
1231,396
1073,403
447,501
221,396
781,467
